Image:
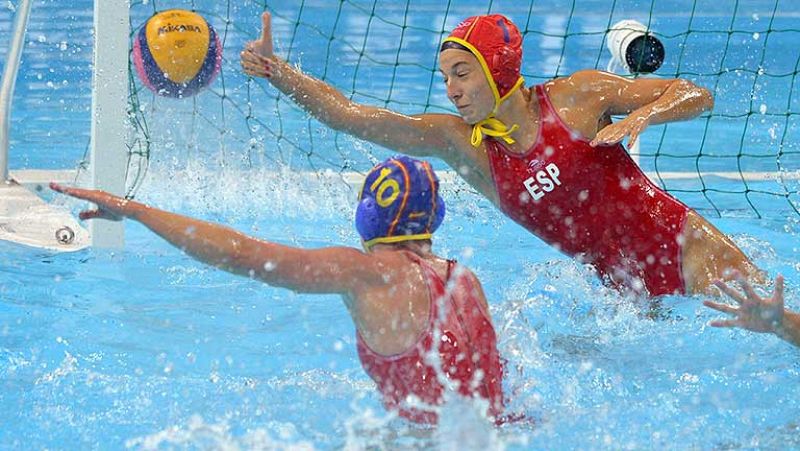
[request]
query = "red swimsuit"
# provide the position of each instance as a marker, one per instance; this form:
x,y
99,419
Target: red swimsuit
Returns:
x,y
467,354
593,203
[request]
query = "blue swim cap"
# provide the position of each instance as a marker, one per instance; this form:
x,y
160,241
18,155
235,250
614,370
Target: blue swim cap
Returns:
x,y
399,202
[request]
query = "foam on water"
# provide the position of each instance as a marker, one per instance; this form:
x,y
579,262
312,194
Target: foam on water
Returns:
x,y
154,350
197,434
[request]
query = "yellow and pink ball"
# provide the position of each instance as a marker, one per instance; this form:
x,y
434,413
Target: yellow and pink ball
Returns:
x,y
177,53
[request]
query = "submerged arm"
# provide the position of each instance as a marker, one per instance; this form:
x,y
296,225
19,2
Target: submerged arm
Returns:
x,y
329,270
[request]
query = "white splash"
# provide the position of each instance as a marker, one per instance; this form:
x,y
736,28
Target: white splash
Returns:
x,y
197,434
68,365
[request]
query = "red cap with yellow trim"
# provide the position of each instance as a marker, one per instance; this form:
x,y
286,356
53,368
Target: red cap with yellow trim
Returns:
x,y
499,42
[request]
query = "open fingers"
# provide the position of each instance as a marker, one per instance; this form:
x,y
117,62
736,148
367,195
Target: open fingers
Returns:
x,y
57,188
69,191
779,286
724,308
98,214
78,193
735,295
599,138
90,214
748,289
724,323
606,137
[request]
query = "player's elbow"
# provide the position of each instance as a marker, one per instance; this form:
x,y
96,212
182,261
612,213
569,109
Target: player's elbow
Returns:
x,y
701,95
708,99
705,96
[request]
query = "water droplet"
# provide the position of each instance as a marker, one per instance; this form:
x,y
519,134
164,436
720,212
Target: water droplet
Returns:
x,y
773,133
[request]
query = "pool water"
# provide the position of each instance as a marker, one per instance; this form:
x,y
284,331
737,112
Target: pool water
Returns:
x,y
148,349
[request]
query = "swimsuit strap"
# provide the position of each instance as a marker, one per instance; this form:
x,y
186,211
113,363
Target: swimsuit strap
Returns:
x,y
546,109
450,265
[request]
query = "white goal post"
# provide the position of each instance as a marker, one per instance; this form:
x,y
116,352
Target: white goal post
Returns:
x,y
109,155
24,217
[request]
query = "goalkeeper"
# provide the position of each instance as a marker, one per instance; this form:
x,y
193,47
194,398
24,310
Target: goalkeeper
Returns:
x,y
548,155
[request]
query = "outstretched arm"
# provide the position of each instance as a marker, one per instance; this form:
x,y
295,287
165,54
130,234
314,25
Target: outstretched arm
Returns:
x,y
757,314
329,270
421,135
645,101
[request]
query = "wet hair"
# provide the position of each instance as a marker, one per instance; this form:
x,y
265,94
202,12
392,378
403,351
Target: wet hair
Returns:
x,y
452,45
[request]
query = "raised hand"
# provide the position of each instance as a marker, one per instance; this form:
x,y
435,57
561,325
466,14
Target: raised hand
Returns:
x,y
263,46
109,206
754,313
632,126
256,58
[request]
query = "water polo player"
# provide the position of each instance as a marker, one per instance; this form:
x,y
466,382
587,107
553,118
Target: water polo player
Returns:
x,y
404,300
548,155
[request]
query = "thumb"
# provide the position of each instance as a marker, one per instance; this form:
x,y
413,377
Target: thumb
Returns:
x,y
264,46
266,25
779,286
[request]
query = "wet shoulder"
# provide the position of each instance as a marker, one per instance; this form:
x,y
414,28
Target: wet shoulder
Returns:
x,y
575,100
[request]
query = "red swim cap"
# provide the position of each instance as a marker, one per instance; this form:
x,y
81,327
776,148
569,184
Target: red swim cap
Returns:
x,y
497,44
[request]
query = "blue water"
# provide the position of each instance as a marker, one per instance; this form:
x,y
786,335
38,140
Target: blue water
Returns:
x,y
146,348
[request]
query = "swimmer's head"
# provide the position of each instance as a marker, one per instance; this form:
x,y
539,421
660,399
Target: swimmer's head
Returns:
x,y
497,45
399,202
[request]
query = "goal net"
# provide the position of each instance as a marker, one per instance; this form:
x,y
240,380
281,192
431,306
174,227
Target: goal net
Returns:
x,y
742,157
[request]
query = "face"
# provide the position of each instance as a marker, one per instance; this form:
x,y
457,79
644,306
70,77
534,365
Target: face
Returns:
x,y
466,83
